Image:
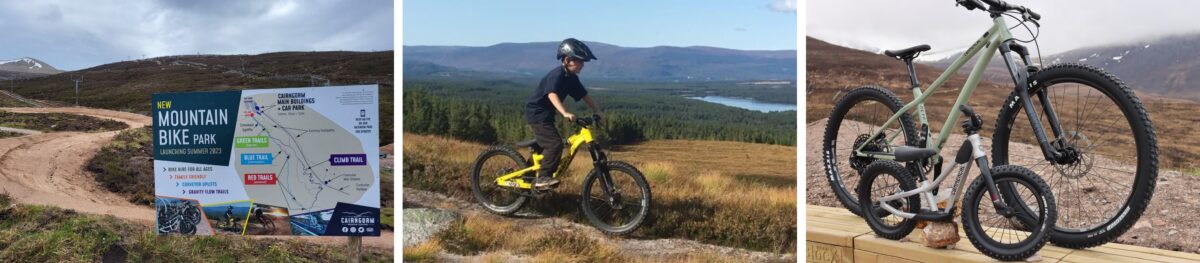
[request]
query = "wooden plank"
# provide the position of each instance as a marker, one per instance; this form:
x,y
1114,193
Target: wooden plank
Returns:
x,y
833,228
861,256
1090,256
1147,253
915,251
820,252
858,228
831,236
830,217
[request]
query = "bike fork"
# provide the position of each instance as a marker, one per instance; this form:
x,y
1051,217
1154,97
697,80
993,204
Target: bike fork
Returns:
x,y
1020,80
598,161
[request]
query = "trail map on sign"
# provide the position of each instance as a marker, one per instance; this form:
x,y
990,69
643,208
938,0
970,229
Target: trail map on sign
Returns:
x,y
297,161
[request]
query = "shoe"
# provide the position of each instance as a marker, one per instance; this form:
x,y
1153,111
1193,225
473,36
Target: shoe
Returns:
x,y
544,181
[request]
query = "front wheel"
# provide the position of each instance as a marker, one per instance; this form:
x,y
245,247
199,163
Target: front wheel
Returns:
x,y
493,163
994,234
624,206
1105,177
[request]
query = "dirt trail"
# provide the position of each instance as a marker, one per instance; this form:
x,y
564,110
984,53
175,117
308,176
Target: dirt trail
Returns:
x,y
652,250
48,169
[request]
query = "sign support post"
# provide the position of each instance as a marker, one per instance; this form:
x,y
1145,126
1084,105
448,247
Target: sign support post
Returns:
x,y
354,249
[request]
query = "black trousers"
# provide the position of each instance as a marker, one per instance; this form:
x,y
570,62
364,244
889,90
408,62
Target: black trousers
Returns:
x,y
551,142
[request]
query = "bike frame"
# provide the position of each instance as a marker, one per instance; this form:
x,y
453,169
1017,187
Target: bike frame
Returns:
x,y
576,141
926,188
996,38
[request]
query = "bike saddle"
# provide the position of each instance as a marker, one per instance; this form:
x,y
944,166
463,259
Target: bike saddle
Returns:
x,y
907,53
909,153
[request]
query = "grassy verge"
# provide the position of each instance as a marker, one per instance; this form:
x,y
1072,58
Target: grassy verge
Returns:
x,y
125,166
6,101
726,193
58,122
32,233
5,134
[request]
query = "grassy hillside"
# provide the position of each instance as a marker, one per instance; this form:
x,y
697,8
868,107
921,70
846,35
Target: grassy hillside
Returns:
x,y
32,233
725,193
128,85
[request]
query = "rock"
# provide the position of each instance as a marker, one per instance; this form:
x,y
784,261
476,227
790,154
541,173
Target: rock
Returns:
x,y
420,224
941,234
1157,222
1142,224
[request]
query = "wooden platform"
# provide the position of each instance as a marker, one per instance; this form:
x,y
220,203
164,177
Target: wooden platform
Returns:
x,y
836,235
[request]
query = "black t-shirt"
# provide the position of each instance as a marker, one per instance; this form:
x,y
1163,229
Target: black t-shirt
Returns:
x,y
538,108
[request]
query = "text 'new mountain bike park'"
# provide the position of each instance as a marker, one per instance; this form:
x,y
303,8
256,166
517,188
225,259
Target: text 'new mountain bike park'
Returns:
x,y
306,156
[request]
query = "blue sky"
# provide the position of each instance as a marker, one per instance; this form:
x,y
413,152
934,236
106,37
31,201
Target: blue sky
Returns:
x,y
750,25
77,34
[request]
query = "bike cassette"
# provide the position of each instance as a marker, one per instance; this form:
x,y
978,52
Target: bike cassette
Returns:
x,y
877,145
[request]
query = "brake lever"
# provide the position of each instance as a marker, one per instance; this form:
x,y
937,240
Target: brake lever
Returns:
x,y
1029,18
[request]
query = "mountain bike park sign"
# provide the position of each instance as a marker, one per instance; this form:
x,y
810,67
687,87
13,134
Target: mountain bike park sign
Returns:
x,y
289,161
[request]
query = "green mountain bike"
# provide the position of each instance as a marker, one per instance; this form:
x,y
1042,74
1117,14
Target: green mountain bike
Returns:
x,y
1077,126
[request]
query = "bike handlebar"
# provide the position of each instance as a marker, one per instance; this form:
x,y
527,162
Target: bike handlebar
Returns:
x,y
999,6
587,121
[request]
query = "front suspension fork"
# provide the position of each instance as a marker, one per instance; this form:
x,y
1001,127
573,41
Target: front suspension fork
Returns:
x,y
1020,80
599,161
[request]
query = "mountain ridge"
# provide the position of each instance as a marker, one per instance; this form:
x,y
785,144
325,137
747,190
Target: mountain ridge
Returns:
x,y
658,63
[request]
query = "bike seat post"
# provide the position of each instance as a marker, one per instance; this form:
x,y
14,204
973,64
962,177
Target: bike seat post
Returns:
x,y
912,73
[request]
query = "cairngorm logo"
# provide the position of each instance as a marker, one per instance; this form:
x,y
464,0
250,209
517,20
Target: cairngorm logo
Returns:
x,y
364,218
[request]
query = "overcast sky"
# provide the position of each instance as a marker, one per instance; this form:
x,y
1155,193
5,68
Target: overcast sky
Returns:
x,y
737,24
78,34
1066,25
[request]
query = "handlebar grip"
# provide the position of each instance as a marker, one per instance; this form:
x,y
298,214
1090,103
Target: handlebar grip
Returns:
x,y
1032,14
970,4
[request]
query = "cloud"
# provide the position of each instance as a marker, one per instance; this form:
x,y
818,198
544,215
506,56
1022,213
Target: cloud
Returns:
x,y
950,28
786,6
78,34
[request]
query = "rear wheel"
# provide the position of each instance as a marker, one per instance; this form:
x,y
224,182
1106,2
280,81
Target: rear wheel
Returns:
x,y
493,163
1106,178
859,113
880,179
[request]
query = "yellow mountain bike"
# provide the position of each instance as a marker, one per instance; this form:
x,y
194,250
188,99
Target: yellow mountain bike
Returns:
x,y
615,195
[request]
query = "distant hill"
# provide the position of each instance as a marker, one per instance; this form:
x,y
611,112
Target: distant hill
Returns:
x,y
1168,66
661,63
25,68
128,85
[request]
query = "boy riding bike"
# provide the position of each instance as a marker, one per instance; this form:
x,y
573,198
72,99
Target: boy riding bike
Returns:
x,y
547,100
